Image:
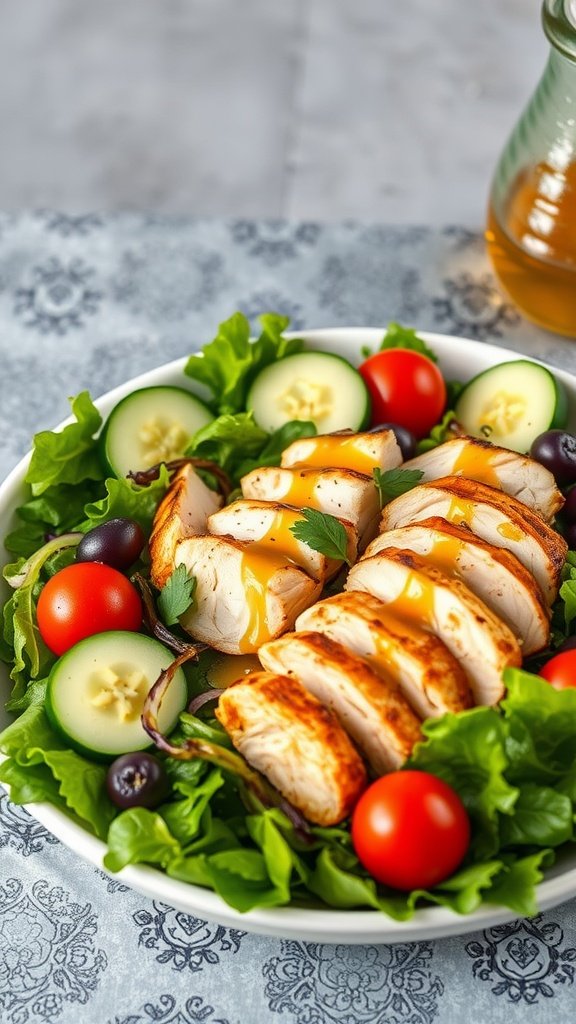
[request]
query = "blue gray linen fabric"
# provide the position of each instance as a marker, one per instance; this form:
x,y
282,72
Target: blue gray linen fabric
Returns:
x,y
87,302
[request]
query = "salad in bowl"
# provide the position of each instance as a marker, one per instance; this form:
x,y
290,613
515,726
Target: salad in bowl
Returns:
x,y
294,625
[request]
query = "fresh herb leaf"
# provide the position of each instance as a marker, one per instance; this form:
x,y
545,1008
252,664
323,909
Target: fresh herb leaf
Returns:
x,y
568,596
404,337
323,533
176,595
70,455
228,364
393,482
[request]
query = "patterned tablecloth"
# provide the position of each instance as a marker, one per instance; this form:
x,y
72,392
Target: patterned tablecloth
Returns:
x,y
88,302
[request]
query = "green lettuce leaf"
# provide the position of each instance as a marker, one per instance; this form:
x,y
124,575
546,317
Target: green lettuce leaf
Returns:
x,y
542,817
31,743
229,440
468,751
405,337
71,455
229,363
271,453
126,499
140,836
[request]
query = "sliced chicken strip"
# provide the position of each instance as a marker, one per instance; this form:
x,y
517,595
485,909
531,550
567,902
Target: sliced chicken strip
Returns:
x,y
429,675
362,452
370,707
493,516
269,524
495,576
183,512
299,745
517,475
417,591
244,596
340,492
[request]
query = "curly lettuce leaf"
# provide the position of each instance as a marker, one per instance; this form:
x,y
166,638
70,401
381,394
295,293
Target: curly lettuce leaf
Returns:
x,y
36,755
124,498
228,364
69,456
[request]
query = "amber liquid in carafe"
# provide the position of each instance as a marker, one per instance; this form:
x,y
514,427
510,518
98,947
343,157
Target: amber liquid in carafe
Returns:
x,y
533,247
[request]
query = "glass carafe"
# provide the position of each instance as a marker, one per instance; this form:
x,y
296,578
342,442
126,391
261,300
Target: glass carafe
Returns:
x,y
531,230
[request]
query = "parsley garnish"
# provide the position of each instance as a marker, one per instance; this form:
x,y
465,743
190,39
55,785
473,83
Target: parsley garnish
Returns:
x,y
323,533
176,595
394,482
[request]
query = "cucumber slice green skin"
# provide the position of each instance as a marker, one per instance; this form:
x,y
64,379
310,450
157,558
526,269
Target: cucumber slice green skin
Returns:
x,y
95,732
545,398
342,397
121,447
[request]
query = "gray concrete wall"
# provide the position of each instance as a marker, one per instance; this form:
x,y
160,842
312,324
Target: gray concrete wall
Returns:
x,y
327,109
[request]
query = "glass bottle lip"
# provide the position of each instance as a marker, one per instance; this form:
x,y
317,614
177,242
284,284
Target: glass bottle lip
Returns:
x,y
559,22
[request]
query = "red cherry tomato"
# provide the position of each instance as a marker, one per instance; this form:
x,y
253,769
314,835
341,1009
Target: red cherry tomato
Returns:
x,y
83,599
406,388
560,671
410,830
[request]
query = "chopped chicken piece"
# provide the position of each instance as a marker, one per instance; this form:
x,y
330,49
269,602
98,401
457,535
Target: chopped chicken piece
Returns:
x,y
362,452
517,475
431,678
299,745
495,576
269,525
417,591
183,512
244,596
340,492
493,516
370,707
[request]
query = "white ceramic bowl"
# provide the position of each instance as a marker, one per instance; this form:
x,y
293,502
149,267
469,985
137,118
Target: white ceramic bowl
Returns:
x,y
459,359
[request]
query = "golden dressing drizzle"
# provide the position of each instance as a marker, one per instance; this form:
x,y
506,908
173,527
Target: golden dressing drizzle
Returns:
x,y
460,511
279,537
476,463
415,603
510,532
257,569
341,452
445,552
301,490
230,667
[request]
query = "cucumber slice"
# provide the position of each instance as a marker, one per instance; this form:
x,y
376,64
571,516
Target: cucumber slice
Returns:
x,y
315,386
511,404
96,692
151,425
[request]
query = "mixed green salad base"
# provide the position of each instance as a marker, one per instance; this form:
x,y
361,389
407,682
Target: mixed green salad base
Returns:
x,y
513,766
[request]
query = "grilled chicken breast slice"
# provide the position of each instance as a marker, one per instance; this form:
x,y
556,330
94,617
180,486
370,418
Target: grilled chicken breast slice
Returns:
x,y
299,745
340,492
413,589
369,706
362,452
495,575
269,524
493,516
243,596
183,512
430,677
517,475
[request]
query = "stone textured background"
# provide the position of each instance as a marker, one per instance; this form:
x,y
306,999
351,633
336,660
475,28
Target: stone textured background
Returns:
x,y
324,109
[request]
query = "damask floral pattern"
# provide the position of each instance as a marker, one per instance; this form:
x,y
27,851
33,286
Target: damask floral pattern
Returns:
x,y
195,279
354,984
524,960
474,308
185,942
274,241
48,955
20,831
59,298
166,1011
